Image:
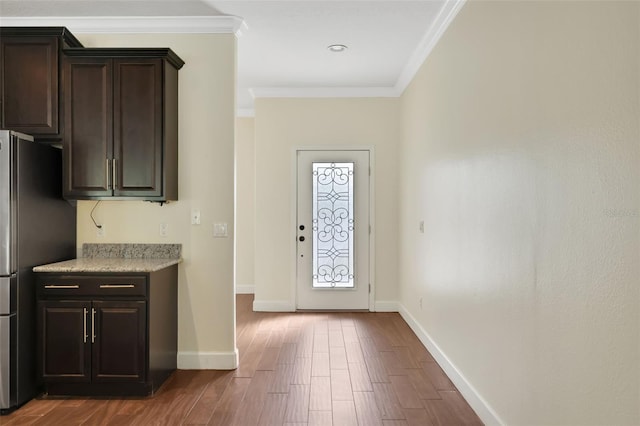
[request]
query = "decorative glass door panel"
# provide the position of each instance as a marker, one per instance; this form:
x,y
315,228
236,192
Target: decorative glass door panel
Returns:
x,y
332,229
333,225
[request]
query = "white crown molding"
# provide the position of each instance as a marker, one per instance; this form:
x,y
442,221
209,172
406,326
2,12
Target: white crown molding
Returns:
x,y
315,92
134,24
324,92
446,15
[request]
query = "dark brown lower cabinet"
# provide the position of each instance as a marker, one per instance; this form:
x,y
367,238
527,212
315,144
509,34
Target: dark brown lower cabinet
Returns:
x,y
119,347
107,334
66,354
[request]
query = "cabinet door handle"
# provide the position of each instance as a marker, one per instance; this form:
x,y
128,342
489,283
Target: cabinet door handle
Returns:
x,y
117,286
114,164
107,173
93,325
85,325
54,286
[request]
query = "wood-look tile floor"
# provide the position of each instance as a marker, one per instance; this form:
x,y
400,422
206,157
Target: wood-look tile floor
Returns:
x,y
295,369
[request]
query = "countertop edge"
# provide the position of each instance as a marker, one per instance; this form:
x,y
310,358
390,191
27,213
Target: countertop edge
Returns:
x,y
107,265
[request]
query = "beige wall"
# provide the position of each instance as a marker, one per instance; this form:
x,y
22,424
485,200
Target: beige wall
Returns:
x,y
521,153
280,126
206,321
245,204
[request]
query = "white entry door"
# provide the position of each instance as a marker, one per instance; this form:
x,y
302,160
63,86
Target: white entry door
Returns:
x,y
332,230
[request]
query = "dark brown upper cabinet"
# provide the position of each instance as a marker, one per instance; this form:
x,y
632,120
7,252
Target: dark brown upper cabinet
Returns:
x,y
30,79
121,124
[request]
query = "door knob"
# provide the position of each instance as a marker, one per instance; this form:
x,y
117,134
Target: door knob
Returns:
x,y
301,239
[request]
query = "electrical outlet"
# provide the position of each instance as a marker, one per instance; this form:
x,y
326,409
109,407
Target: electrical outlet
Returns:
x,y
421,226
101,232
164,229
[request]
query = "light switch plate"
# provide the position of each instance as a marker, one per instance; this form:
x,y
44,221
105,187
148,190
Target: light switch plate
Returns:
x,y
195,217
220,230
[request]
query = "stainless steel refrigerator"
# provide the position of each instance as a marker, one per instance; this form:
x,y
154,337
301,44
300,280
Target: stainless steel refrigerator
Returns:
x,y
36,227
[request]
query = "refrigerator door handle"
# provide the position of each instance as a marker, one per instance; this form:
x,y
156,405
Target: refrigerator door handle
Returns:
x,y
5,294
7,206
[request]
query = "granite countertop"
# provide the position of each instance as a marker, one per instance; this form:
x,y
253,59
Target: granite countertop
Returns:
x,y
119,258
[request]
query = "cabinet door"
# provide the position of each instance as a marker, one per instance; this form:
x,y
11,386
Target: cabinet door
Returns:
x,y
64,341
119,353
138,127
29,80
88,139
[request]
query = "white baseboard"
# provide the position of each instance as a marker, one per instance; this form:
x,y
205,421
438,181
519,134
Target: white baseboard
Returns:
x,y
480,406
208,360
273,306
386,306
286,306
245,289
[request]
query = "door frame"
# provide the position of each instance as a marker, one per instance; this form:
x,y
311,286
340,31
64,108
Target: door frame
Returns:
x,y
293,220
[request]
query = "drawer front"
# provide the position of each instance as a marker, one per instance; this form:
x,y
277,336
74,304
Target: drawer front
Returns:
x,y
100,286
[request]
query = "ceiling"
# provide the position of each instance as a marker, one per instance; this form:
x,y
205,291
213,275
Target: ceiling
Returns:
x,y
282,45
